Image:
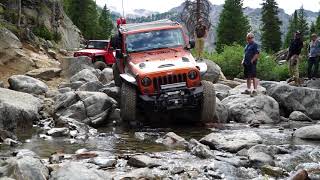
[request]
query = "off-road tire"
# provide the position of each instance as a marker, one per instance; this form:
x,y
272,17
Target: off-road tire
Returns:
x,y
116,75
208,106
128,102
100,65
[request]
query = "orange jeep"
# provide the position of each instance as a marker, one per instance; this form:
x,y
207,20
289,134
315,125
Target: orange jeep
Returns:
x,y
157,72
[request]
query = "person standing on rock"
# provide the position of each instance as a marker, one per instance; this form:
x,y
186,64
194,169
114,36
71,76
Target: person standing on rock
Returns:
x,y
201,32
293,58
313,61
249,62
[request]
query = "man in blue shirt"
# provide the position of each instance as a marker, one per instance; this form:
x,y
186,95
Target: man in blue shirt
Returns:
x,y
249,62
313,61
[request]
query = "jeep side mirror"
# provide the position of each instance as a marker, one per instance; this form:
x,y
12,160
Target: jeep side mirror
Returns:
x,y
192,44
119,54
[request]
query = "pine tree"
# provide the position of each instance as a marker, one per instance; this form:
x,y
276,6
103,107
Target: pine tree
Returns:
x,y
271,33
105,24
293,27
233,25
318,25
312,28
303,25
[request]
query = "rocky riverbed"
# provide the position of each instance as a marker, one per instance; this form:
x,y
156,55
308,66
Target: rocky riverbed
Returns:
x,y
72,130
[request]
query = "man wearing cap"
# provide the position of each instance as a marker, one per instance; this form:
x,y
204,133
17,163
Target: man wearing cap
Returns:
x,y
313,61
249,62
293,57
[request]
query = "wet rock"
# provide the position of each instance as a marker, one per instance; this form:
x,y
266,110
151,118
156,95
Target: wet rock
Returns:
x,y
25,152
222,112
246,109
27,84
260,157
235,160
241,88
141,161
24,167
308,132
45,137
113,92
199,150
76,85
213,72
44,73
1,84
272,171
85,75
232,141
71,66
93,86
177,170
292,98
145,135
313,169
104,162
222,91
300,175
115,116
141,173
18,110
58,132
76,170
56,158
11,142
64,90
299,116
172,139
92,108
106,75
86,155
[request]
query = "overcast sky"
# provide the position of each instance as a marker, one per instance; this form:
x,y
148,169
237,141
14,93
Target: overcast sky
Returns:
x,y
164,5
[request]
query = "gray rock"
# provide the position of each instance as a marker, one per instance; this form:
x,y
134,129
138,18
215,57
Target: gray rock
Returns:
x,y
18,110
213,72
200,150
260,156
104,162
27,84
308,132
93,86
222,91
113,92
63,52
92,108
140,173
64,90
241,88
76,171
76,85
44,73
299,116
106,75
58,132
11,142
292,98
8,43
25,152
272,171
52,53
141,161
246,109
314,84
222,112
25,167
72,66
173,140
84,75
232,141
1,84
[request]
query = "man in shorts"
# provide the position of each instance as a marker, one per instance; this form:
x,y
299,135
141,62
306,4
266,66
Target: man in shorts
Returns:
x,y
293,58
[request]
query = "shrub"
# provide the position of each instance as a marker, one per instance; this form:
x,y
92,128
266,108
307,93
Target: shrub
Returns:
x,y
43,32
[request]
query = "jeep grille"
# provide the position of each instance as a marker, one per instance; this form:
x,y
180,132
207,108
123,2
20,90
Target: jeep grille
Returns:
x,y
169,79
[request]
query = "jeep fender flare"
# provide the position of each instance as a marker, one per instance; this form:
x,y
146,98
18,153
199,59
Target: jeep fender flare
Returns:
x,y
128,78
203,68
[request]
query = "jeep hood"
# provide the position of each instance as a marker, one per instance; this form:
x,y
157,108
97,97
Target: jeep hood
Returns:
x,y
92,51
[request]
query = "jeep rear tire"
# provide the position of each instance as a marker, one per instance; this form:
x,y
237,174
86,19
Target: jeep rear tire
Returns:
x,y
128,103
100,65
208,106
116,75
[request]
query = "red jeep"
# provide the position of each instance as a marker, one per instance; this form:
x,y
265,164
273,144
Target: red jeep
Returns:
x,y
100,52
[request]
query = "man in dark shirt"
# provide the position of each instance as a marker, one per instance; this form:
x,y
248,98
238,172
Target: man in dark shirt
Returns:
x,y
201,32
293,57
249,62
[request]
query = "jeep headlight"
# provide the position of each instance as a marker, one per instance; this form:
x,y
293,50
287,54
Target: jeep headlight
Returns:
x,y
146,82
193,75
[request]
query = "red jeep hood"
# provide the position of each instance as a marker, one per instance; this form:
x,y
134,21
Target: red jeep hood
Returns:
x,y
93,51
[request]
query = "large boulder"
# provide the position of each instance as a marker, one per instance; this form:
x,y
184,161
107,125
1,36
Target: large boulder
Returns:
x,y
292,98
143,161
27,84
106,75
308,132
73,65
84,75
92,108
299,116
246,109
222,112
18,109
44,73
241,88
231,141
222,91
8,45
77,170
213,72
93,86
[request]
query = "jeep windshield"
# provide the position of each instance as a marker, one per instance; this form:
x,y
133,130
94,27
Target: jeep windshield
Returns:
x,y
152,40
97,45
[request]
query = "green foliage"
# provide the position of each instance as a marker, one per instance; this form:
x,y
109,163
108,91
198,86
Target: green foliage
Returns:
x,y
271,33
303,25
293,26
11,27
43,32
105,24
233,25
230,62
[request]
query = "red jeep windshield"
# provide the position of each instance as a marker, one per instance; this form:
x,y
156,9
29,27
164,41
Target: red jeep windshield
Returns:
x,y
97,45
154,40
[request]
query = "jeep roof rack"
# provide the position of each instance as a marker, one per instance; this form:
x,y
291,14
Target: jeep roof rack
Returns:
x,y
147,25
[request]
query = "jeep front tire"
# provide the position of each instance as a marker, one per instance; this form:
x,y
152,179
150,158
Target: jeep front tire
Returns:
x,y
208,106
128,102
116,75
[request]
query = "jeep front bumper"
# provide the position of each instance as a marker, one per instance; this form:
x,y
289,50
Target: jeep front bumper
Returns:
x,y
172,96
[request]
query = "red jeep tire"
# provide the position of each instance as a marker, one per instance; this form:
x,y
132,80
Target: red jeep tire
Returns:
x,y
100,65
208,106
128,102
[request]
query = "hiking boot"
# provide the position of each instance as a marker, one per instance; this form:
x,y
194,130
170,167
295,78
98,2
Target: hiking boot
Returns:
x,y
247,91
254,93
